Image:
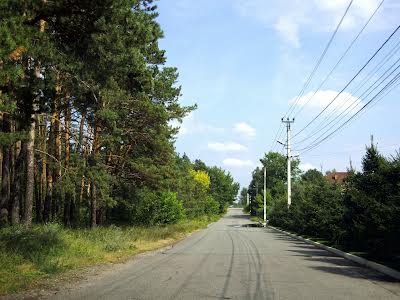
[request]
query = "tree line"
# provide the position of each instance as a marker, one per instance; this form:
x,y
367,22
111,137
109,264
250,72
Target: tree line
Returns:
x,y
361,214
86,107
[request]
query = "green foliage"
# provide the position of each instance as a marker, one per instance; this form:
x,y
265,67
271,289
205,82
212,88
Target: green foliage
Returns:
x,y
360,215
211,207
105,65
243,197
158,208
222,188
372,206
276,180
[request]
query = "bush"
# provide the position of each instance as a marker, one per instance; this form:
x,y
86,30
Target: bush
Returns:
x,y
212,207
158,208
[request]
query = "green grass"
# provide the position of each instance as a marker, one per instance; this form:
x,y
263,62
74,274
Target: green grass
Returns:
x,y
255,219
29,257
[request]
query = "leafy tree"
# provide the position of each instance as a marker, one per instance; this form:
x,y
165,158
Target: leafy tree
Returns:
x,y
86,104
276,165
371,219
360,215
223,188
243,197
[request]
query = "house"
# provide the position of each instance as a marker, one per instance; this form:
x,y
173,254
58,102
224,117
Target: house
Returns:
x,y
336,177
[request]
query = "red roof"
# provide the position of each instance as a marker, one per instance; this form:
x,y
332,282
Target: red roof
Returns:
x,y
337,177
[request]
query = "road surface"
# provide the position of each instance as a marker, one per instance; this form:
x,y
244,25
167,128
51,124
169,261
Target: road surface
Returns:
x,y
230,261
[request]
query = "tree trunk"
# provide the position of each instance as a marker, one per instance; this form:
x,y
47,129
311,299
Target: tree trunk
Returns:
x,y
1,163
57,155
5,182
43,168
82,149
30,165
47,210
51,169
68,205
81,129
16,187
96,150
43,165
93,207
1,151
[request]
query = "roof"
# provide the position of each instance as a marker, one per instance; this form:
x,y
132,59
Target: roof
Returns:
x,y
337,177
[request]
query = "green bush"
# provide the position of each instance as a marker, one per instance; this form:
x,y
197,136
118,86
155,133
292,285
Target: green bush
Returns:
x,y
158,208
212,207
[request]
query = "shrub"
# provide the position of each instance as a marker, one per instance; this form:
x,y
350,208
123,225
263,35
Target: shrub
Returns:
x,y
211,206
158,208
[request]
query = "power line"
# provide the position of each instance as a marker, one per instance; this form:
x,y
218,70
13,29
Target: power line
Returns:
x,y
394,86
350,111
355,103
388,87
278,133
305,86
340,59
383,61
280,129
354,77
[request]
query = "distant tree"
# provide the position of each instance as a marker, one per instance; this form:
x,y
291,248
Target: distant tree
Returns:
x,y
243,197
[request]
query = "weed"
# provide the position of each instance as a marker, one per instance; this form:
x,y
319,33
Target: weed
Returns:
x,y
29,256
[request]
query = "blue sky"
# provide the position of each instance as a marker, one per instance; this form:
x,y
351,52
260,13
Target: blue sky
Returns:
x,y
245,61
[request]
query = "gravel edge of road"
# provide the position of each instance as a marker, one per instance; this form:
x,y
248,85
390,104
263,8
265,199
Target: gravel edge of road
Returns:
x,y
362,261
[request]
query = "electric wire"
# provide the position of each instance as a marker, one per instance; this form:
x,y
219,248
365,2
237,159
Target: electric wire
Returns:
x,y
305,86
354,104
376,69
340,60
378,96
358,116
277,136
395,85
388,86
347,85
353,109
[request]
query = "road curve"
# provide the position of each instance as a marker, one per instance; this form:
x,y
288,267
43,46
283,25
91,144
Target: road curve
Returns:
x,y
230,261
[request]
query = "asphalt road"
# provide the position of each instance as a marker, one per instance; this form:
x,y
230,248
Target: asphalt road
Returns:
x,y
229,261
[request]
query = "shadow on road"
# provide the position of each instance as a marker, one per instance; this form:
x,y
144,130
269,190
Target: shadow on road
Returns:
x,y
325,261
235,217
249,225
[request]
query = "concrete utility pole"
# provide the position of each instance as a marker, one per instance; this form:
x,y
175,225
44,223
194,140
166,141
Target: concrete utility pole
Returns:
x,y
249,201
289,158
265,196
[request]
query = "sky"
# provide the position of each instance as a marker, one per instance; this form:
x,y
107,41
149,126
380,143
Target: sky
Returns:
x,y
245,62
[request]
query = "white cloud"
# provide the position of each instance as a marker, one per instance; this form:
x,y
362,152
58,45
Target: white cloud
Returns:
x,y
245,130
192,125
290,18
227,147
345,101
235,162
306,166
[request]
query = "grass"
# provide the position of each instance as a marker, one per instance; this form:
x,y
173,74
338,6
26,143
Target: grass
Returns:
x,y
255,219
29,257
